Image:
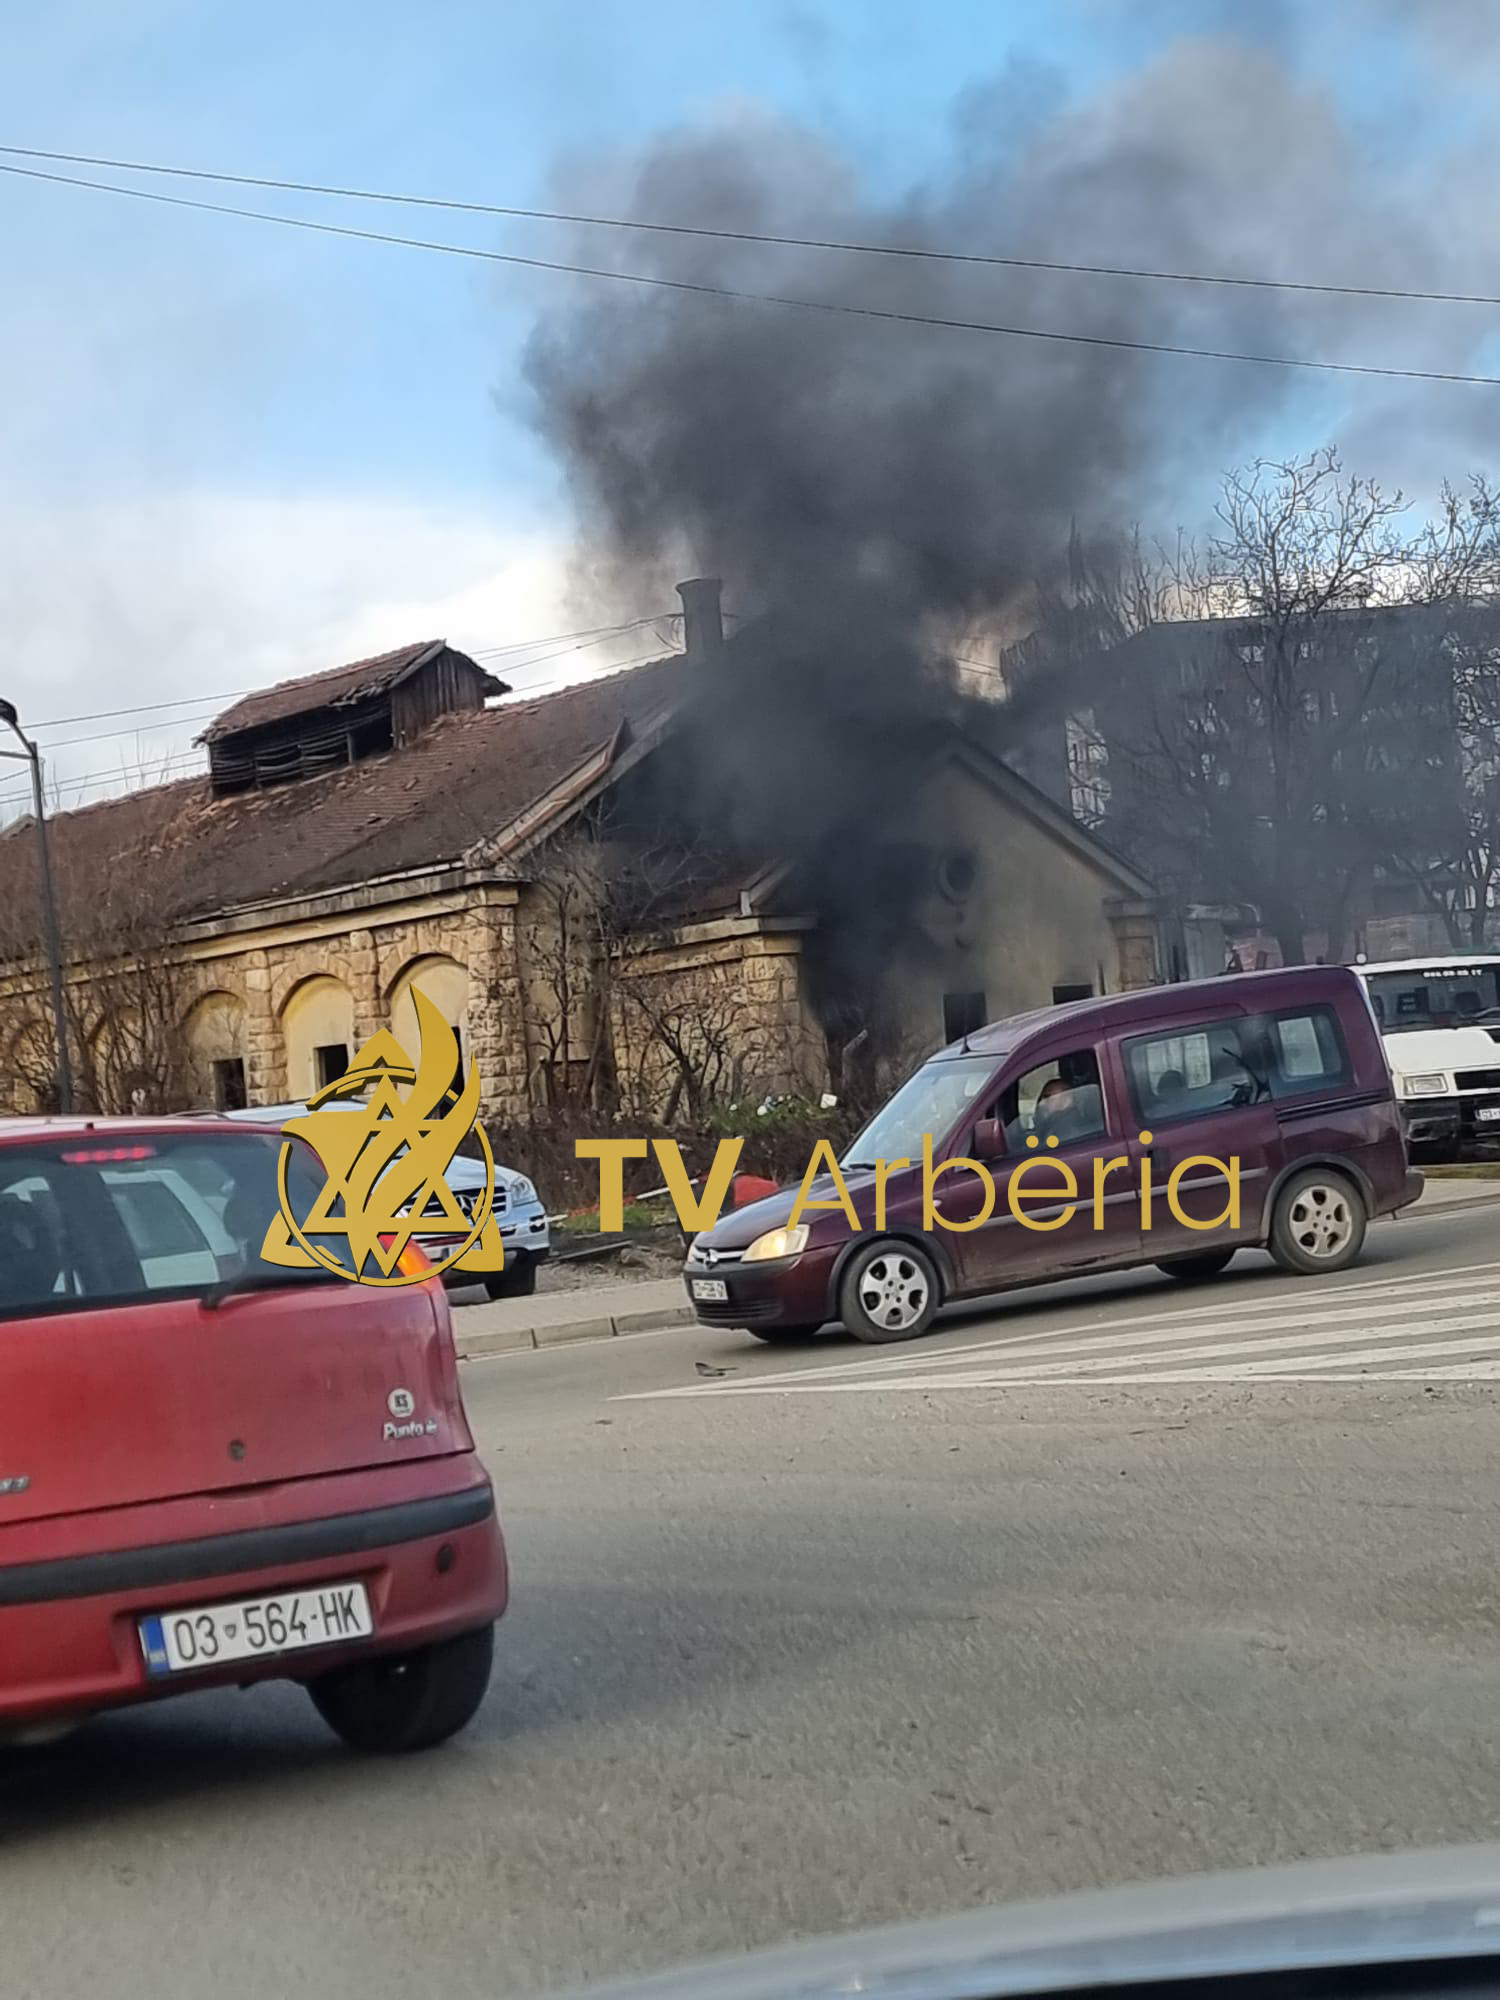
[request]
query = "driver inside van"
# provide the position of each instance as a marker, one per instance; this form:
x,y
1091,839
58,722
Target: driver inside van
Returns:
x,y
1059,1115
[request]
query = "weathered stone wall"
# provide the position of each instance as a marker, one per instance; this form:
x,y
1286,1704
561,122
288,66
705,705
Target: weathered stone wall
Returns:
x,y
716,1007
259,973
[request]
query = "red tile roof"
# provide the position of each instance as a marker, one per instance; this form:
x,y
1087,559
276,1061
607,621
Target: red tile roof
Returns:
x,y
464,780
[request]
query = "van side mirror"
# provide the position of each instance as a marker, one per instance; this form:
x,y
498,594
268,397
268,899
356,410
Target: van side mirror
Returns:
x,y
989,1139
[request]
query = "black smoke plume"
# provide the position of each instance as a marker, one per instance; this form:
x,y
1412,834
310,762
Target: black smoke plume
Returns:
x,y
877,494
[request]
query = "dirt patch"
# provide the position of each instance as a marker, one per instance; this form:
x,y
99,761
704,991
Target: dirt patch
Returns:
x,y
630,1264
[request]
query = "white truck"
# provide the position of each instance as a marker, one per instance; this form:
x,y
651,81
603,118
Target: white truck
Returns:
x,y
1440,1018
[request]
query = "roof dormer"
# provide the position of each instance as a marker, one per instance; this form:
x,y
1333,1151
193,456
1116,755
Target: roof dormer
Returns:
x,y
302,728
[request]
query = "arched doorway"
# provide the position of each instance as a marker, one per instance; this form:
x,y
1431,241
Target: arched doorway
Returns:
x,y
444,982
216,1044
317,1024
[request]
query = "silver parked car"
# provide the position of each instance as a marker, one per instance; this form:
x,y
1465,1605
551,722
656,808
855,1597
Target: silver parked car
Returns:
x,y
518,1212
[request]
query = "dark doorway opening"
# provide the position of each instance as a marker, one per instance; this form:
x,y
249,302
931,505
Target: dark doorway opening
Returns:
x,y
330,1062
229,1084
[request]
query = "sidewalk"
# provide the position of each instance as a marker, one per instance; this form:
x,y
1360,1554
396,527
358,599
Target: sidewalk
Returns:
x,y
1455,1193
552,1318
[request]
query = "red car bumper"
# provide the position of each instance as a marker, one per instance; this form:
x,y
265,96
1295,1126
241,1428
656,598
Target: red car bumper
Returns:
x,y
433,1563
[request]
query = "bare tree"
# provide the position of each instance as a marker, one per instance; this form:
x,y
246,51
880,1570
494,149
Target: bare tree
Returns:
x,y
607,909
1447,842
1306,718
684,1033
565,967
125,994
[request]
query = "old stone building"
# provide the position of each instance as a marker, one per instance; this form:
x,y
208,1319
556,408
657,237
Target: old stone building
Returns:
x,y
390,825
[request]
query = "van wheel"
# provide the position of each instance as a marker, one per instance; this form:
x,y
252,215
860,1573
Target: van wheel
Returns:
x,y
408,1701
786,1336
1318,1224
890,1291
1194,1270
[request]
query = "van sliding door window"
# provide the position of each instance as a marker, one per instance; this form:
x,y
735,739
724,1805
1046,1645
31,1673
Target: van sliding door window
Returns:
x,y
1192,1072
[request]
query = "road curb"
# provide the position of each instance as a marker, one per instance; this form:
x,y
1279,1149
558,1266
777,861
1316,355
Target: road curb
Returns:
x,y
1420,1208
480,1346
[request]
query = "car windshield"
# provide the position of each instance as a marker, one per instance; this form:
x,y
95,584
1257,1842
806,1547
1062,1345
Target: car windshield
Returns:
x,y
104,1220
1435,996
927,1102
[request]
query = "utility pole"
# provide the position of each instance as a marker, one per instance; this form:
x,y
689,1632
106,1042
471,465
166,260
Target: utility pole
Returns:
x,y
29,754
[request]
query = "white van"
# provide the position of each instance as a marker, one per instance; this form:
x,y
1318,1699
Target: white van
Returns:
x,y
1440,1018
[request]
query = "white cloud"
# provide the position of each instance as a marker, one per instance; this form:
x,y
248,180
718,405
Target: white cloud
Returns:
x,y
105,606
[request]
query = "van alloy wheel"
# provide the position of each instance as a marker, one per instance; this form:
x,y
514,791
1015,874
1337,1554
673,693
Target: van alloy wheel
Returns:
x,y
890,1291
1320,1220
1319,1223
893,1291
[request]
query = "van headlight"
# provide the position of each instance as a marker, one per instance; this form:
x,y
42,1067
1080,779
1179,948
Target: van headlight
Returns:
x,y
1434,1085
778,1243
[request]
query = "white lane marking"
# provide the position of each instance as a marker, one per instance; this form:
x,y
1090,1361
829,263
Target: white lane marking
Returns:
x,y
1306,1337
1030,1354
1478,1371
1328,1296
1356,1357
1287,1368
1469,1371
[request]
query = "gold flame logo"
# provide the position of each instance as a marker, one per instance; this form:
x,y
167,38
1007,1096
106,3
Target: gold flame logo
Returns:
x,y
385,1166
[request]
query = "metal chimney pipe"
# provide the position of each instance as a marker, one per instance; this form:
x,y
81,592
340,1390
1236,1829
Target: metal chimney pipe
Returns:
x,y
702,617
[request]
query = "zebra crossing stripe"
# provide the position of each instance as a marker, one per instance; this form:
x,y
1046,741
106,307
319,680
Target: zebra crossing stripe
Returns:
x,y
1223,1344
1020,1354
1329,1296
1285,1368
1328,1333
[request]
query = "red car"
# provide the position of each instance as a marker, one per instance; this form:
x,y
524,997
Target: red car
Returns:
x,y
215,1471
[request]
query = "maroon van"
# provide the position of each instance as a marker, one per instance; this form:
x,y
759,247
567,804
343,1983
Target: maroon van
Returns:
x,y
1126,1130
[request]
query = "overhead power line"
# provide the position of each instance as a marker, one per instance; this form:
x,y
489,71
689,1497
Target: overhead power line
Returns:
x,y
584,645
927,253
155,768
554,638
887,314
56,743
599,632
614,667
156,772
141,708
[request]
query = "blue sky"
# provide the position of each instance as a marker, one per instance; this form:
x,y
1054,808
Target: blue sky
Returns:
x,y
230,452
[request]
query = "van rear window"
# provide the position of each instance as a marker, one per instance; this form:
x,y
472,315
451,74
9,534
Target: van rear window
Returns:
x,y
96,1220
1194,1071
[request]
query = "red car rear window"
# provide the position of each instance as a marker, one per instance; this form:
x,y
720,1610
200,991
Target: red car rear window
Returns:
x,y
101,1221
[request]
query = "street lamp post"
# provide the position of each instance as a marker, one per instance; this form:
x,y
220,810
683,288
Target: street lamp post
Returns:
x,y
29,754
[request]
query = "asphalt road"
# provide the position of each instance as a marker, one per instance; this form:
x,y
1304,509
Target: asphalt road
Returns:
x,y
1113,1581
